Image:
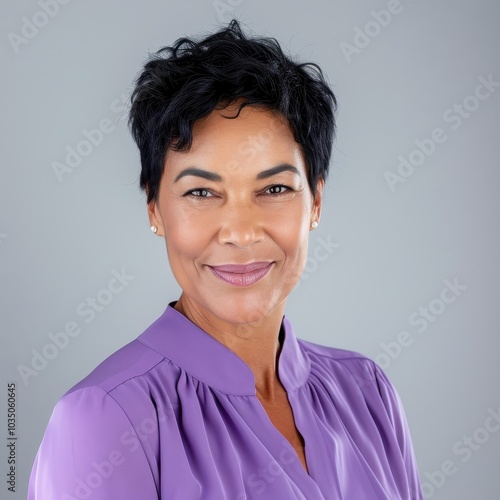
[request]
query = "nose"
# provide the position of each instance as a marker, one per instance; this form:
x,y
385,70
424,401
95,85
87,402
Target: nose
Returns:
x,y
241,226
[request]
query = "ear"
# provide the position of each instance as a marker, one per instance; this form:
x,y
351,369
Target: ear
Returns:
x,y
318,200
155,217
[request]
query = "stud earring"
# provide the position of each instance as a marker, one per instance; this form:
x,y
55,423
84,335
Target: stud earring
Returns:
x,y
314,224
154,229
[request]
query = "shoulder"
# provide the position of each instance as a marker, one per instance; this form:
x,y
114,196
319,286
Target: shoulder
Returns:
x,y
119,388
332,353
112,413
92,435
351,371
128,362
339,360
362,393
354,375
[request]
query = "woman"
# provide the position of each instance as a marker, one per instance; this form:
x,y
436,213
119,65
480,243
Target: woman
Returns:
x,y
218,398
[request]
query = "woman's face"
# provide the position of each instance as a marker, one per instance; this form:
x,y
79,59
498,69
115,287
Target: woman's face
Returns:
x,y
229,209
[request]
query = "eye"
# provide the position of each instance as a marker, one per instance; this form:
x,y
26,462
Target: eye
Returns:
x,y
202,193
283,190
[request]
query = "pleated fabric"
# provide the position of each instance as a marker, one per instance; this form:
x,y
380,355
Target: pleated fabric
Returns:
x,y
174,415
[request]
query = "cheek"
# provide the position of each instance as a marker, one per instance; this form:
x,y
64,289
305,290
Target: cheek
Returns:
x,y
187,235
293,240
293,245
185,241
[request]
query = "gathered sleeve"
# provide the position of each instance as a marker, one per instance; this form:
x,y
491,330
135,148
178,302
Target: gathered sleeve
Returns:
x,y
397,417
90,449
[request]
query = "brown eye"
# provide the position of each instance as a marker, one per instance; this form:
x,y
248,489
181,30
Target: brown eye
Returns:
x,y
279,189
202,193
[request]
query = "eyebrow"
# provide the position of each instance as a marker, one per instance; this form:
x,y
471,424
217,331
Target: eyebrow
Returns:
x,y
212,176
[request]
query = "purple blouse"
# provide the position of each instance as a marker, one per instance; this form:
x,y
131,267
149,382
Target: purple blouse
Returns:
x,y
174,415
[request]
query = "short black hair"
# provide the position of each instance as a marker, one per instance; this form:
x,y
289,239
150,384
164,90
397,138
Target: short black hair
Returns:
x,y
185,82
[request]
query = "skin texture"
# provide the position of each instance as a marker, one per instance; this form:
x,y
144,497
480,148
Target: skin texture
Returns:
x,y
237,221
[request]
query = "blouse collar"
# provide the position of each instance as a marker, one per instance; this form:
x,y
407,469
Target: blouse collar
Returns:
x,y
177,338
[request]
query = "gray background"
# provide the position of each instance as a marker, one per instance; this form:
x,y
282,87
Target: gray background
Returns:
x,y
60,240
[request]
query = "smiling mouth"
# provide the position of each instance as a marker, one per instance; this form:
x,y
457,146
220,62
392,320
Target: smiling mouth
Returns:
x,y
241,275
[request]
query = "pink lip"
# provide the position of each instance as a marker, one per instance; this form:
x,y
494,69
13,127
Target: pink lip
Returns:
x,y
241,275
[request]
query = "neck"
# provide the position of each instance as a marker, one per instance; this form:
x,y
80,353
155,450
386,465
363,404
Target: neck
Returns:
x,y
258,344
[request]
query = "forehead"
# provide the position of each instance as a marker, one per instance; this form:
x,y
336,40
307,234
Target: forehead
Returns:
x,y
257,136
248,119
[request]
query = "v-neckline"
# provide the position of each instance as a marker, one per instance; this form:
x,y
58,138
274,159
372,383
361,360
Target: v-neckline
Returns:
x,y
296,430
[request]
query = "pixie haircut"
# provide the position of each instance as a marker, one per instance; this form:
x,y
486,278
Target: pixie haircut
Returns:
x,y
183,83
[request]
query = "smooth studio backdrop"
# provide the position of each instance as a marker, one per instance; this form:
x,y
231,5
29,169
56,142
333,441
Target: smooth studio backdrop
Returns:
x,y
403,266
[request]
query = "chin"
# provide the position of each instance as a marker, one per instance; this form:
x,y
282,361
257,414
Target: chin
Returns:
x,y
240,310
